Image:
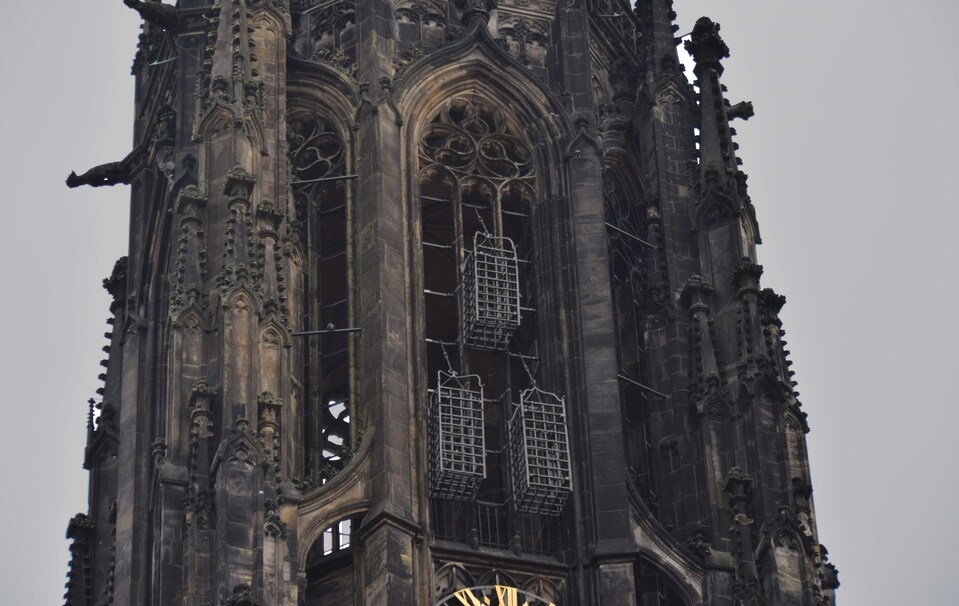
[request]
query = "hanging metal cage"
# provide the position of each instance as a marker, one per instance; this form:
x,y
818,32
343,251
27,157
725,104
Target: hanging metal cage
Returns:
x,y
456,441
491,305
539,453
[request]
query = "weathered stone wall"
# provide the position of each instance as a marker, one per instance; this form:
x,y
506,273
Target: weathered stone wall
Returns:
x,y
277,162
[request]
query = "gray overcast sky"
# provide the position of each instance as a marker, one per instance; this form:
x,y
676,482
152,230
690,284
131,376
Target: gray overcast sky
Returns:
x,y
852,163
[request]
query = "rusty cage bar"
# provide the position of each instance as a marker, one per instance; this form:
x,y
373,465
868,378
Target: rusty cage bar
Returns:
x,y
457,447
491,301
539,453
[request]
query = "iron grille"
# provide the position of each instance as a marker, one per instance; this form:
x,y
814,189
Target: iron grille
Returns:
x,y
491,309
488,524
539,453
457,445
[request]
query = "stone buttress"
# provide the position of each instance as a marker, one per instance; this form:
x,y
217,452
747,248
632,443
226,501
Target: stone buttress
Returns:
x,y
440,302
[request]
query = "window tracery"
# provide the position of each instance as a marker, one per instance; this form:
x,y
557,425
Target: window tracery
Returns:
x,y
317,157
327,33
422,24
477,189
526,39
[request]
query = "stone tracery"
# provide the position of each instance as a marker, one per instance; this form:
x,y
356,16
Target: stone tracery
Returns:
x,y
317,157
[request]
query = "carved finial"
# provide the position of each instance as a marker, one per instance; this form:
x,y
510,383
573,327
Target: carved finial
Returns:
x,y
772,301
747,274
695,292
117,282
706,46
190,200
202,395
79,525
239,183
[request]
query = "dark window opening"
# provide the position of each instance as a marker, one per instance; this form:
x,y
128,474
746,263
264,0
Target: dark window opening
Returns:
x,y
654,588
317,155
477,200
625,230
329,567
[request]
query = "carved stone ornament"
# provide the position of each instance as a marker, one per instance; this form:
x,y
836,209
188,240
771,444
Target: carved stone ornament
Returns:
x,y
159,451
747,273
327,34
161,15
202,395
468,139
111,173
242,596
772,302
274,526
742,110
706,46
696,292
698,543
117,281
190,200
79,526
737,484
524,38
239,183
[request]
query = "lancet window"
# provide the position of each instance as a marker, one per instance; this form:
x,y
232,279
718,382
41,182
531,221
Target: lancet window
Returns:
x,y
420,23
327,32
478,193
318,161
627,248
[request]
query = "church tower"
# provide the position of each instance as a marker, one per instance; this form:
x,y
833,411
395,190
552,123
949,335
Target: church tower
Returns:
x,y
440,302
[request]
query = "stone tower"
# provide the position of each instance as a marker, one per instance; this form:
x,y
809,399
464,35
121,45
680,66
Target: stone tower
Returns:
x,y
440,302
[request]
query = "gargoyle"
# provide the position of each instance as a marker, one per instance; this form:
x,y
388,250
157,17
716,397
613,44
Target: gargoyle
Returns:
x,y
743,110
110,173
161,15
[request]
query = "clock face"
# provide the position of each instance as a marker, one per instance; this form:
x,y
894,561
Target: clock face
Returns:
x,y
493,595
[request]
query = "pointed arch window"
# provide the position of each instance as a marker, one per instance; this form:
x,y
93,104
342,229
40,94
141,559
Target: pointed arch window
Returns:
x,y
317,156
327,32
625,228
477,189
420,24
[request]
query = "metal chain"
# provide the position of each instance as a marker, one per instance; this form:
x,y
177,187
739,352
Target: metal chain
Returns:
x,y
482,223
532,379
447,358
